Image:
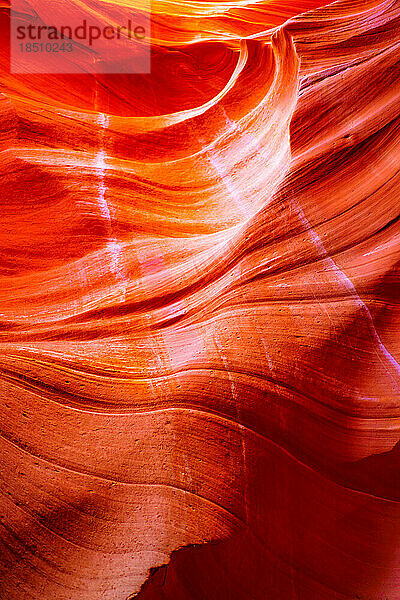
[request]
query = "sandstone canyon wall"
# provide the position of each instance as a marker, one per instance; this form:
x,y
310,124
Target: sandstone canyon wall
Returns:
x,y
199,312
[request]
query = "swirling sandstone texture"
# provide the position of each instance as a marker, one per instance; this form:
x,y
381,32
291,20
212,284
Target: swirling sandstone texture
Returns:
x,y
199,312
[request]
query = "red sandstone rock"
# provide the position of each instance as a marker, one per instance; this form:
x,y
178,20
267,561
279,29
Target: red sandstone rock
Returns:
x,y
199,313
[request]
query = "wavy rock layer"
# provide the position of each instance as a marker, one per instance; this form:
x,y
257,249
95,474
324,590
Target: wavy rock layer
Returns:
x,y
199,312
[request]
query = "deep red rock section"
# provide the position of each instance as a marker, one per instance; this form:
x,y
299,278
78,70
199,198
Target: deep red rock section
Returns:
x,y
199,313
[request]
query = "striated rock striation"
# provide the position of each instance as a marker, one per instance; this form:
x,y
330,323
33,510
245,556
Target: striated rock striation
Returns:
x,y
200,315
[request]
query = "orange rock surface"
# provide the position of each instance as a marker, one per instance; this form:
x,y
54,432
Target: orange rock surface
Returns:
x,y
199,312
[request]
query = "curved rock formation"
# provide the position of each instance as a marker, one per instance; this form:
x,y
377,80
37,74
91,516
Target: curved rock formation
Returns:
x,y
199,312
